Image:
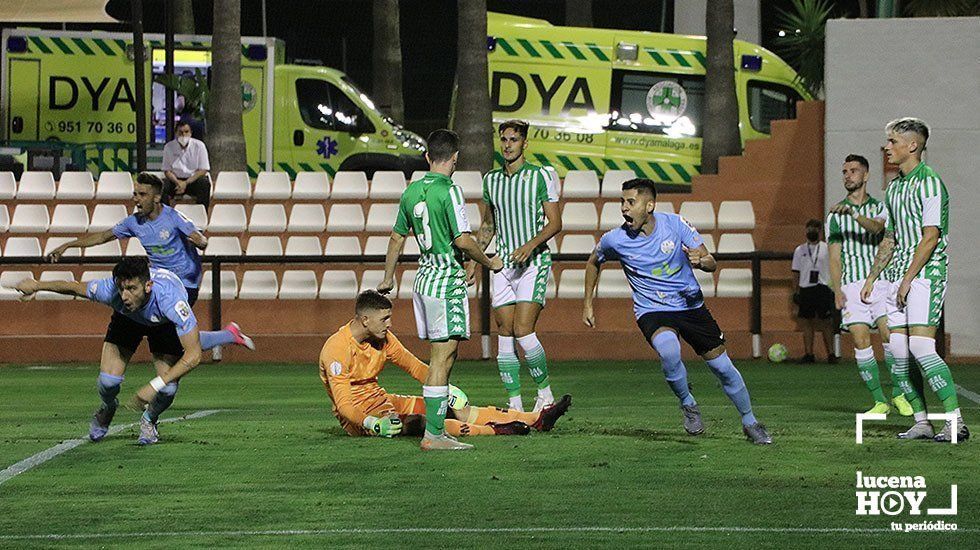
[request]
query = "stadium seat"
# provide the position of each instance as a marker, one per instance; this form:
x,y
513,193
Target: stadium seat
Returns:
x,y
88,276
736,215
259,284
571,284
232,185
667,207
229,286
580,184
311,186
66,276
342,246
227,218
613,284
734,282
701,214
579,216
4,218
115,186
134,248
709,242
223,246
298,285
106,216
111,248
350,185
381,217
736,242
76,186
612,182
412,246
371,278
387,185
19,247
263,246
9,279
303,246
30,218
272,186
345,218
577,244
407,285
69,218
417,175
55,242
471,181
267,218
338,285
707,282
378,245
196,213
8,185
611,216
36,186
473,214
306,218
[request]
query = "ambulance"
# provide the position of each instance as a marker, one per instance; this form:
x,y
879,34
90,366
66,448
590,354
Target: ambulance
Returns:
x,y
601,99
78,88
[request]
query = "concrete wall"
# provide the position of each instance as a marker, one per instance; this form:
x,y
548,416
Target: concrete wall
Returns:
x,y
689,18
881,69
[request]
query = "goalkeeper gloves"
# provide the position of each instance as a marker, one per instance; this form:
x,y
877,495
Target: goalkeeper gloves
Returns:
x,y
457,399
387,426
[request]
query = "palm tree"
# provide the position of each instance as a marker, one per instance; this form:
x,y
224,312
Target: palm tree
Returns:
x,y
720,128
183,16
387,62
472,118
226,139
578,13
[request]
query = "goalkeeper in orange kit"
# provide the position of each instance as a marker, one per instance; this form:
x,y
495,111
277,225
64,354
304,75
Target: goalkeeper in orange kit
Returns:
x,y
352,358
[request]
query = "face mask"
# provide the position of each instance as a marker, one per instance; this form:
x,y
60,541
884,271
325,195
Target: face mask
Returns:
x,y
183,140
812,235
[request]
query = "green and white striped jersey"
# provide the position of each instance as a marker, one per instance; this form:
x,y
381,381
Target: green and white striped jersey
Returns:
x,y
858,245
433,209
518,208
916,200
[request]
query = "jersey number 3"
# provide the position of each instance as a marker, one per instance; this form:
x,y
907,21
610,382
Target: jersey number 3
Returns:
x,y
421,212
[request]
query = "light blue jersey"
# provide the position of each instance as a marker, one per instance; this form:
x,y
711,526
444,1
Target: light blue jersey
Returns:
x,y
167,301
166,243
656,267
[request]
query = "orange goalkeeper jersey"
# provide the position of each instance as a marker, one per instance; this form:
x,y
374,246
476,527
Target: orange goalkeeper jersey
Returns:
x,y
349,371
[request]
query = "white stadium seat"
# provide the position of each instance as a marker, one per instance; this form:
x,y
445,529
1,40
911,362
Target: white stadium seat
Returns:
x,y
19,247
701,214
223,246
263,246
350,185
371,278
387,185
259,284
338,285
76,186
707,282
306,218
229,286
579,216
4,218
267,218
736,242
311,186
473,214
195,213
612,182
345,218
88,276
611,217
227,218
378,245
613,284
115,186
471,181
298,285
417,175
36,186
580,184
8,185
111,248
734,282
381,217
736,215
303,246
577,244
406,289
134,248
30,218
232,185
342,246
667,207
55,242
571,284
69,218
106,216
66,276
9,279
272,186
709,242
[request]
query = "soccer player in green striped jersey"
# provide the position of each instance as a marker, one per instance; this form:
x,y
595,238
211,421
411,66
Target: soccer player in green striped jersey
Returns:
x,y
520,208
855,226
433,209
915,242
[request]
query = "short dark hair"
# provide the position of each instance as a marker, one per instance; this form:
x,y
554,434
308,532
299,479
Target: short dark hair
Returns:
x,y
442,145
180,123
371,300
132,267
152,180
858,159
642,185
813,222
519,126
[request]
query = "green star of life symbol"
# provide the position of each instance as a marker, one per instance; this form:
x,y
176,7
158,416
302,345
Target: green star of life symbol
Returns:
x,y
666,99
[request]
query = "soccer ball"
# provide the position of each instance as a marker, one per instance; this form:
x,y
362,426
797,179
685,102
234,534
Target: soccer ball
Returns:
x,y
777,353
457,399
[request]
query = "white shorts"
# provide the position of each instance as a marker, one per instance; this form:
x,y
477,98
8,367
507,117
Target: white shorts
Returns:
x,y
856,312
439,319
923,305
520,284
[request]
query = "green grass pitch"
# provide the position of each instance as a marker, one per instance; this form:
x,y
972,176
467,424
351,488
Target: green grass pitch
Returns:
x,y
273,468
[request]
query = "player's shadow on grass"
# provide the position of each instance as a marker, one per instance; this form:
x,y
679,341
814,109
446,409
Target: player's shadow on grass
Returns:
x,y
640,433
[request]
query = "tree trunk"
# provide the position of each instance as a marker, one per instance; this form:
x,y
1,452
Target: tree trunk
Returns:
x,y
720,127
183,16
472,118
578,13
226,139
387,60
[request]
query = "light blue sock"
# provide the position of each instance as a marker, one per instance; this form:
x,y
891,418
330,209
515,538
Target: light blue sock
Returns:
x,y
734,386
163,400
213,339
669,348
108,385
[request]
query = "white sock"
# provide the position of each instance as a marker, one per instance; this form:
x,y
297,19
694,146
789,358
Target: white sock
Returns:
x,y
545,394
920,417
516,404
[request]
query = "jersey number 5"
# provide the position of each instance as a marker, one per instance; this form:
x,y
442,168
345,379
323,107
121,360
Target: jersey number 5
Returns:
x,y
421,212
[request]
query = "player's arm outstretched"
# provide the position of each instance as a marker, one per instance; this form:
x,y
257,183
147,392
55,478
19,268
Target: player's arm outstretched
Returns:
x,y
399,356
882,258
396,243
592,268
28,287
191,342
84,242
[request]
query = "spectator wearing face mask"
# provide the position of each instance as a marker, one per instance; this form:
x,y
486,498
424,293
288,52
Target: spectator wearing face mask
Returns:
x,y
814,296
186,165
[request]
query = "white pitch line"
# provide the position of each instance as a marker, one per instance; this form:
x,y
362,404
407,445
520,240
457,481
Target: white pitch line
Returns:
x,y
65,446
462,530
972,396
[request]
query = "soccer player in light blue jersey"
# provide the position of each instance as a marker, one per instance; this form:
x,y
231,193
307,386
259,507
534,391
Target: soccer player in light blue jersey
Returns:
x,y
149,303
171,242
658,252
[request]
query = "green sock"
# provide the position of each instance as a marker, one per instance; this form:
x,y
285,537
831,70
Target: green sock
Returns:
x,y
940,380
510,373
901,374
890,365
868,368
537,363
436,401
